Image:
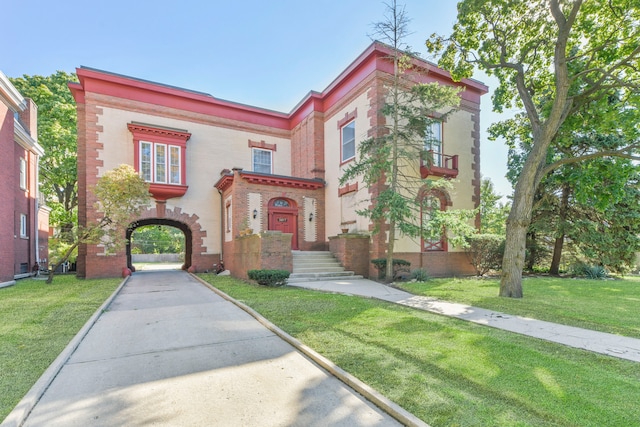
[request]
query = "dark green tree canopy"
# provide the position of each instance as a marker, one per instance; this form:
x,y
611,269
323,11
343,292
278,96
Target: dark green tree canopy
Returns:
x,y
58,136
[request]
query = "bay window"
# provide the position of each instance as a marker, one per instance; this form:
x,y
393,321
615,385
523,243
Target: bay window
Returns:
x,y
159,158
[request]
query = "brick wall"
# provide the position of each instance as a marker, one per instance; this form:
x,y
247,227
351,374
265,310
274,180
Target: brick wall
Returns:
x,y
439,264
352,250
7,184
307,147
269,250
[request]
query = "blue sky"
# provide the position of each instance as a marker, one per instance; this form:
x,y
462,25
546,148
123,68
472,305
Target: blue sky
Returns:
x,y
269,54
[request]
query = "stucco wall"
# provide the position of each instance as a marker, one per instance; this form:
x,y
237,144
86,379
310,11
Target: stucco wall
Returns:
x,y
209,150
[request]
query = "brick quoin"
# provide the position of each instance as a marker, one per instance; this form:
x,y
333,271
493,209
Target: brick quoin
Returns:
x,y
302,132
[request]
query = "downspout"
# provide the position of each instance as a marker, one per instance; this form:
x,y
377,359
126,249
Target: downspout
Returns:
x,y
221,224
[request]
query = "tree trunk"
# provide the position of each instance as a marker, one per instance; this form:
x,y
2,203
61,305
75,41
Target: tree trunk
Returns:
x,y
559,243
557,255
533,251
390,247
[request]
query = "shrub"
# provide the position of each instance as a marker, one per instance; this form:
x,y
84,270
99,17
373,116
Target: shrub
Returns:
x,y
485,252
399,266
589,271
269,277
420,274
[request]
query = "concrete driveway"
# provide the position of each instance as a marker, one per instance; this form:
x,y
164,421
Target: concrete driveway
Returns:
x,y
168,351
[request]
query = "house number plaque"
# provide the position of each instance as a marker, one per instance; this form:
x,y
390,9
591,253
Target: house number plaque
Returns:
x,y
282,219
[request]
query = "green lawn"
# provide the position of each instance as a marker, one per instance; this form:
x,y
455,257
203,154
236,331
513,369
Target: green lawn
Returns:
x,y
37,321
603,305
450,372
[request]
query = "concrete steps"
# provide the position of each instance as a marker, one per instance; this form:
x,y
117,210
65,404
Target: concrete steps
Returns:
x,y
311,266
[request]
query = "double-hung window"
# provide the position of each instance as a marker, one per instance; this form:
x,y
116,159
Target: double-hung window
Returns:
x,y
348,140
433,142
160,163
262,160
23,174
159,158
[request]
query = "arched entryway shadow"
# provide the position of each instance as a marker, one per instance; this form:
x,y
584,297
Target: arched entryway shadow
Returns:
x,y
188,238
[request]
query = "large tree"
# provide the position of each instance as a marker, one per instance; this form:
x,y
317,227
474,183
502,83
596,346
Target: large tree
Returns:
x,y
390,159
122,194
554,59
57,135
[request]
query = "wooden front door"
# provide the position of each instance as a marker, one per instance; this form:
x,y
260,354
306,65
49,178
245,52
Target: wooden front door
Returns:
x,y
283,216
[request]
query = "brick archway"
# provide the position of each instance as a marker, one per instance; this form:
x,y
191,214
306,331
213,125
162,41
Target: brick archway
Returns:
x,y
188,237
196,256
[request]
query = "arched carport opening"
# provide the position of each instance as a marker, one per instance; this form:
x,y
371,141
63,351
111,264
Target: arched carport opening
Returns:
x,y
188,239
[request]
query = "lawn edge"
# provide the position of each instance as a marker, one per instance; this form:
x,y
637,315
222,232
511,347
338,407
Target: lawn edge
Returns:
x,y
23,409
369,393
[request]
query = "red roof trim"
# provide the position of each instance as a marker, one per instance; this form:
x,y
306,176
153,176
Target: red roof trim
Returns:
x,y
282,181
224,183
372,59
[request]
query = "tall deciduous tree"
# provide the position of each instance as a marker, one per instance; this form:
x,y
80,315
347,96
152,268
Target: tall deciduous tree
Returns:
x,y
554,59
121,195
57,135
390,159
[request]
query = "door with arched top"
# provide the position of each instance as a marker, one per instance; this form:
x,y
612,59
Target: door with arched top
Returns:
x,y
283,216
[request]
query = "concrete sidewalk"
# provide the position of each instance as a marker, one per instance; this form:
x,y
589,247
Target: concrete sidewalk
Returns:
x,y
599,342
170,351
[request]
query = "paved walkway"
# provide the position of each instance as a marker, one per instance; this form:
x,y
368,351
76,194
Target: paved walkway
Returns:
x,y
168,351
600,342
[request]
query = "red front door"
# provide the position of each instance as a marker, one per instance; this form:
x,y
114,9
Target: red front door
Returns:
x,y
285,222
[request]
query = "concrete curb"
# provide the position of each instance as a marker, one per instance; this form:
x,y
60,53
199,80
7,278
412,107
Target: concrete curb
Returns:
x,y
393,409
19,414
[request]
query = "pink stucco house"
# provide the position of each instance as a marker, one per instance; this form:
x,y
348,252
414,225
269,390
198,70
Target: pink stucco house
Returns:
x,y
24,220
217,167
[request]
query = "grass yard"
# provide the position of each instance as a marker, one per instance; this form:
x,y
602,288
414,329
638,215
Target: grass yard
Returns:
x,y
603,305
37,321
449,372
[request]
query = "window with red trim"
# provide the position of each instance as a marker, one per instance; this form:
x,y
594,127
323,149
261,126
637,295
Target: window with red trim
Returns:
x,y
435,239
160,158
348,141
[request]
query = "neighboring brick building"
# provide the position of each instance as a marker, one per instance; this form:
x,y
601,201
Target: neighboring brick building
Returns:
x,y
218,167
22,242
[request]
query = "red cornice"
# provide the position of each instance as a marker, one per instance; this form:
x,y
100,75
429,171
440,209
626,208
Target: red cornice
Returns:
x,y
159,134
372,59
282,181
224,183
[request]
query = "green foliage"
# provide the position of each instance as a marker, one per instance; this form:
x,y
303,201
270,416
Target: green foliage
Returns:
x,y
589,271
57,135
272,278
399,266
157,239
420,274
493,213
389,161
58,248
485,252
573,67
122,194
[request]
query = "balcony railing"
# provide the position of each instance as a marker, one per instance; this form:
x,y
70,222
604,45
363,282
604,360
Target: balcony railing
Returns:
x,y
438,164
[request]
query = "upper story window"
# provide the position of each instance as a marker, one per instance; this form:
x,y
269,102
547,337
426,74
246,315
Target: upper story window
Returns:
x,y
262,160
160,163
159,158
433,142
23,174
348,141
